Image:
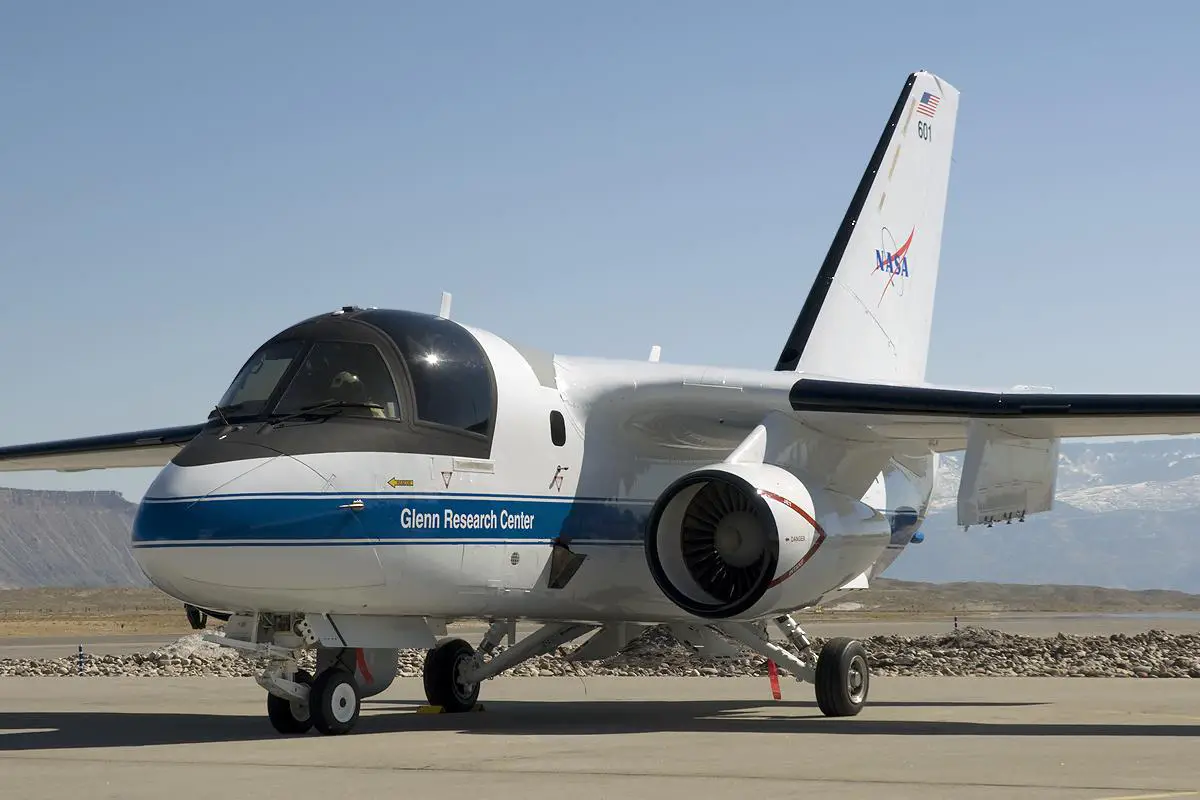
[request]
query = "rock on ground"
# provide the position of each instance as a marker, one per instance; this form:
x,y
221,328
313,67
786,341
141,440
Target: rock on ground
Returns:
x,y
965,652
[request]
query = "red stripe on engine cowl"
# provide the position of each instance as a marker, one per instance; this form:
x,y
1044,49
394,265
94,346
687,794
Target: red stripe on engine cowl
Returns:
x,y
817,541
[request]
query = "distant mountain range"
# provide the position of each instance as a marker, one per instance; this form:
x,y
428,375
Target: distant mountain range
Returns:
x,y
50,538
1127,516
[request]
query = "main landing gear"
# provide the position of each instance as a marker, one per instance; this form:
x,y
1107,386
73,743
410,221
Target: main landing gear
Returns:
x,y
454,670
840,673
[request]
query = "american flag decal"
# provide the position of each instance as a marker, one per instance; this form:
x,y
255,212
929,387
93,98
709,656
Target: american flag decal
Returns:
x,y
928,104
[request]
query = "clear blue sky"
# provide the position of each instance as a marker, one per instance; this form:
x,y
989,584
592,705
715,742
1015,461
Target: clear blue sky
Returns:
x,y
178,182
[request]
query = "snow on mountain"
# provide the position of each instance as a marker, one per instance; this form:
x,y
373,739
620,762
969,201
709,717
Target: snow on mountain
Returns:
x,y
1126,515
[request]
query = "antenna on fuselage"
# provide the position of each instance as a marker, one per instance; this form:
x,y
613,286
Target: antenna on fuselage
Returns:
x,y
655,352
444,311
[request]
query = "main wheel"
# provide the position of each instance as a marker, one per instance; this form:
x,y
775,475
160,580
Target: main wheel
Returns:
x,y
843,678
442,676
334,701
290,716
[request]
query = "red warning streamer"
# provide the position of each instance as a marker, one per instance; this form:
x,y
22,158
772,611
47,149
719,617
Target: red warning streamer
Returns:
x,y
773,671
361,659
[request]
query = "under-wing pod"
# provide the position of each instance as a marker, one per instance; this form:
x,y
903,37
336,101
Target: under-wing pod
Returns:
x,y
723,540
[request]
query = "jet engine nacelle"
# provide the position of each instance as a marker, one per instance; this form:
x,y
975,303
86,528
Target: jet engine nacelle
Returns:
x,y
723,541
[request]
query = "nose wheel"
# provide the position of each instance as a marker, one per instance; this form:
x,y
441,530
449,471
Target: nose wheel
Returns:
x,y
290,716
334,701
332,705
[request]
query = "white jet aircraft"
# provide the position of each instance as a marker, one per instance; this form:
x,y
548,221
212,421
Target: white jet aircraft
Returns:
x,y
371,474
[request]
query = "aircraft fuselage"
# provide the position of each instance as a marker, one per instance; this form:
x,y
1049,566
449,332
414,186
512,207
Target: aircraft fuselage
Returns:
x,y
358,514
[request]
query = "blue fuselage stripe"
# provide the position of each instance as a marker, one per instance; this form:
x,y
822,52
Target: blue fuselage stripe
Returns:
x,y
389,519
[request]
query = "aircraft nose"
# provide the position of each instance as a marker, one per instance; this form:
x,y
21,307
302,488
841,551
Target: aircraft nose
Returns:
x,y
253,500
272,474
237,500
236,534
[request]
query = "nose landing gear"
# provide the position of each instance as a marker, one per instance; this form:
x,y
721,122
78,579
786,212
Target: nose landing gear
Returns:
x,y
330,702
335,701
291,715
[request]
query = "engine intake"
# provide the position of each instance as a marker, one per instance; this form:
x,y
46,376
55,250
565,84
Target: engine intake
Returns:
x,y
722,540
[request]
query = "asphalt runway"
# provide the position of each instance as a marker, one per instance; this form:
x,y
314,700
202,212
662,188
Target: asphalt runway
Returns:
x,y
1033,624
59,646
961,738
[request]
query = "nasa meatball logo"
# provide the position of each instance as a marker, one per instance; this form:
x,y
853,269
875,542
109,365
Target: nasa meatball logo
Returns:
x,y
891,262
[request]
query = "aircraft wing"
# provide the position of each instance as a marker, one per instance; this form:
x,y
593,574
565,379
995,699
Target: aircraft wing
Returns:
x,y
945,416
847,430
1010,439
148,448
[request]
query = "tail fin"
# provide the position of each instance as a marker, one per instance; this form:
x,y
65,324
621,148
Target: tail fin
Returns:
x,y
869,313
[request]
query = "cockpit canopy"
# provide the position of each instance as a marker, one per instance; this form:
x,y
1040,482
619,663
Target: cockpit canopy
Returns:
x,y
393,366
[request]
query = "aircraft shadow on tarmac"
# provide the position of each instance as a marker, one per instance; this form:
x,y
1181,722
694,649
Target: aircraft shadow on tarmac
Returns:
x,y
75,730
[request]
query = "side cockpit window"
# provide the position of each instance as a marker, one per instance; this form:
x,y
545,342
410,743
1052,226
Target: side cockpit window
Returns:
x,y
349,375
254,384
451,378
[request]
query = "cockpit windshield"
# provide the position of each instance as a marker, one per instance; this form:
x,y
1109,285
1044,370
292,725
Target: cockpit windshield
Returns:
x,y
347,375
448,368
253,386
386,365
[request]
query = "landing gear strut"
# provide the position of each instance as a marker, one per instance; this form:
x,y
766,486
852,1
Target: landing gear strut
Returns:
x,y
297,701
840,674
454,671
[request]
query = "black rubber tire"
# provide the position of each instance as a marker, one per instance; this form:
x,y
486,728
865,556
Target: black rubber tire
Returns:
x,y
843,678
335,701
440,677
289,718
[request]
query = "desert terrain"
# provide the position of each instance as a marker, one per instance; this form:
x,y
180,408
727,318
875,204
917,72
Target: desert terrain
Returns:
x,y
90,612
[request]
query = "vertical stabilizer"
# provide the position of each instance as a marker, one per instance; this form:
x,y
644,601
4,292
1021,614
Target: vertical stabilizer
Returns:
x,y
870,310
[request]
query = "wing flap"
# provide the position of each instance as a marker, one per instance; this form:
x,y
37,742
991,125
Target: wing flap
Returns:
x,y
1005,477
147,448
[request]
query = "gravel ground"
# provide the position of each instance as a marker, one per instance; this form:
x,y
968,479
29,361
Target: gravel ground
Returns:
x,y
969,651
